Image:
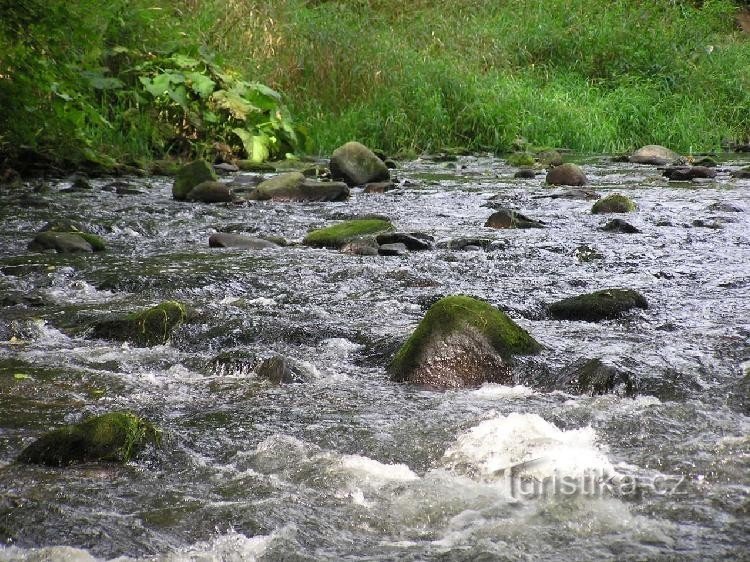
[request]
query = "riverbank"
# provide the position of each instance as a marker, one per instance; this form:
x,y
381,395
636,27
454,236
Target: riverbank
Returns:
x,y
590,76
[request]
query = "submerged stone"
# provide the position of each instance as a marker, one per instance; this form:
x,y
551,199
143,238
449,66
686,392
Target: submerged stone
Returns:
x,y
687,173
190,176
621,226
356,164
566,174
149,327
294,186
394,249
338,235
229,240
211,192
61,242
507,218
280,370
415,241
113,437
654,154
614,203
594,377
596,306
525,174
461,341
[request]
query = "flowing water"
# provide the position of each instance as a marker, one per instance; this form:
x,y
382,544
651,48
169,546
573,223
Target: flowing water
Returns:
x,y
349,465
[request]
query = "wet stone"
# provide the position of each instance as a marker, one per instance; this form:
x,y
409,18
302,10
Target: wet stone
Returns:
x,y
397,249
619,225
379,187
414,241
525,174
229,240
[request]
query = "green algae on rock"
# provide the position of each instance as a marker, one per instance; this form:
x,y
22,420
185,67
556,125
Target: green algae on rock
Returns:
x,y
339,234
113,437
461,341
599,305
190,176
146,328
294,186
615,203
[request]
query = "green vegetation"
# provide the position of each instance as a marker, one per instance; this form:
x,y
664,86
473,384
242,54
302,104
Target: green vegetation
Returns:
x,y
451,314
146,328
615,203
113,437
134,79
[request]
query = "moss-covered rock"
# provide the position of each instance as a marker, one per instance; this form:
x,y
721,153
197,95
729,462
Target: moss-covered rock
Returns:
x,y
113,437
355,164
66,244
61,242
191,175
615,203
148,327
654,154
520,159
507,218
294,186
596,306
461,341
566,174
211,192
339,234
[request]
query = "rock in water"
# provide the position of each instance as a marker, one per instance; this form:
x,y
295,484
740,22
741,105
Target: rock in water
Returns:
x,y
654,154
210,192
191,175
596,306
340,234
280,370
61,242
149,327
294,186
614,203
566,174
687,173
461,341
356,164
593,376
619,225
507,218
113,437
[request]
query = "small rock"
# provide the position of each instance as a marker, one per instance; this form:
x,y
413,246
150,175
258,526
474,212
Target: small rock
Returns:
x,y
379,187
338,235
525,174
356,164
619,225
742,173
577,193
366,246
687,173
146,328
507,218
294,186
226,168
464,244
61,242
397,249
227,240
654,154
414,241
566,174
594,377
596,306
280,370
210,192
81,183
587,254
614,203
706,224
725,207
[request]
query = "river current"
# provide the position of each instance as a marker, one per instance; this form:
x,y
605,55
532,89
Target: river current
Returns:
x,y
350,465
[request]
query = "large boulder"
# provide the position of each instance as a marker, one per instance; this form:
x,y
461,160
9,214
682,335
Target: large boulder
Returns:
x,y
229,240
654,154
614,203
211,192
507,218
66,242
566,174
596,306
294,186
340,234
461,341
149,327
356,164
191,175
113,437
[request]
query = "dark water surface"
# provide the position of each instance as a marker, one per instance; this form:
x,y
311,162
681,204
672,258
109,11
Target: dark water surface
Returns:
x,y
351,466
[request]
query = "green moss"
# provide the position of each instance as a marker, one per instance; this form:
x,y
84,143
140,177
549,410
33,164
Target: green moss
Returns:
x,y
452,313
614,203
521,159
191,175
96,242
337,235
113,437
149,327
599,305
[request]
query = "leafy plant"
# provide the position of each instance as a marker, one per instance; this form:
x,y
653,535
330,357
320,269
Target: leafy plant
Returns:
x,y
206,103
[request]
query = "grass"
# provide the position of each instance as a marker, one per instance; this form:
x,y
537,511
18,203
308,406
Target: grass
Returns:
x,y
589,75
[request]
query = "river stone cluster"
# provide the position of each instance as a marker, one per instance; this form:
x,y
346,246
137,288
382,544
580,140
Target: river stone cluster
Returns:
x,y
114,437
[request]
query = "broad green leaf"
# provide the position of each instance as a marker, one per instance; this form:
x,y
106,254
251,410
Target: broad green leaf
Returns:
x,y
237,106
200,83
157,86
179,94
256,146
265,90
105,83
210,117
183,61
